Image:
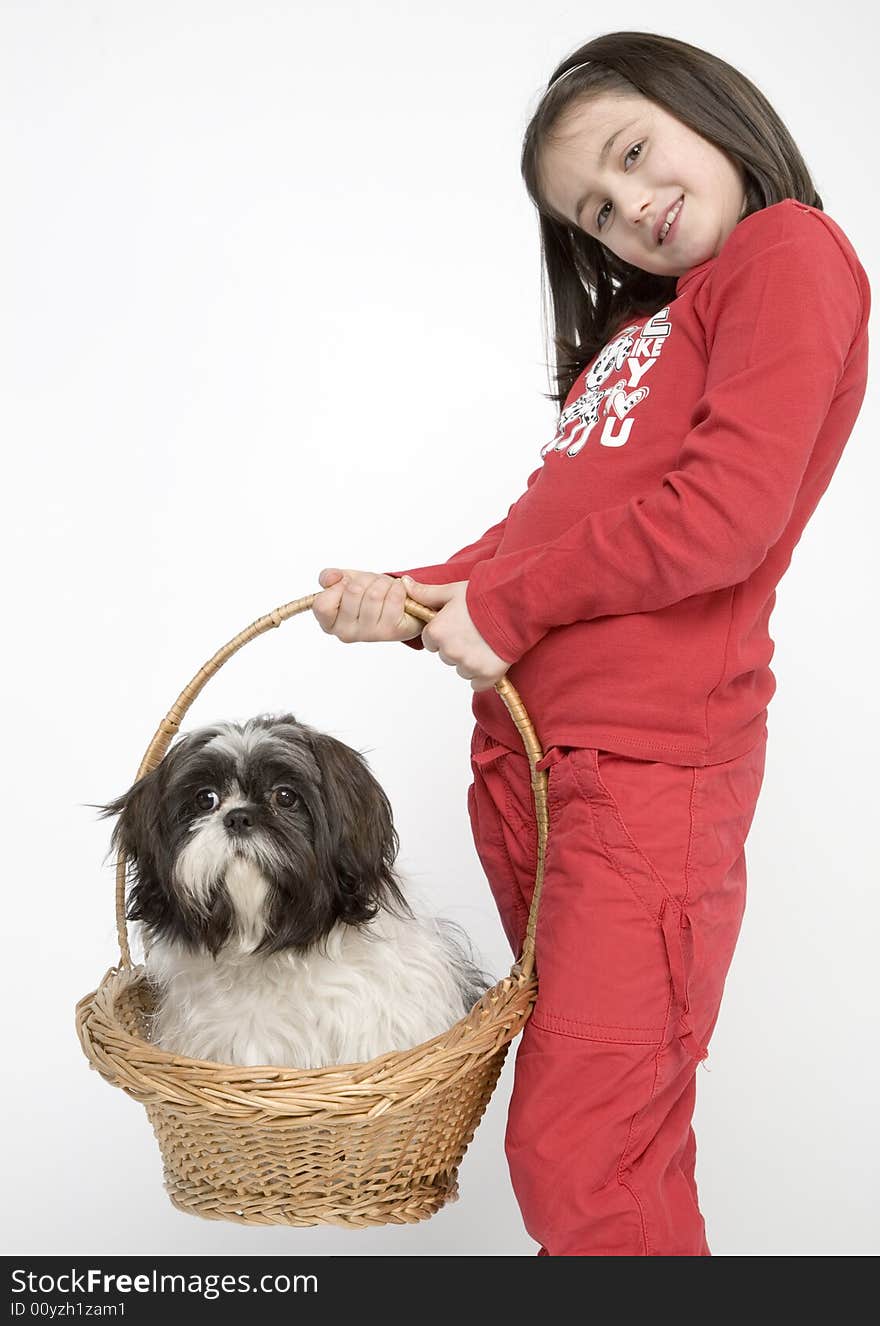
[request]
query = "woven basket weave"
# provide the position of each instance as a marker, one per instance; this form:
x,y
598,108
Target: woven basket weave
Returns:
x,y
353,1145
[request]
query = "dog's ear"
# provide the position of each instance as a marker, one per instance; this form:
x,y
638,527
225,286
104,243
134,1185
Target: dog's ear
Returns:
x,y
138,833
355,839
139,824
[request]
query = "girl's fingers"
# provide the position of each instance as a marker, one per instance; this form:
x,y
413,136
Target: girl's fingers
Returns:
x,y
328,605
372,615
330,575
360,605
349,601
392,608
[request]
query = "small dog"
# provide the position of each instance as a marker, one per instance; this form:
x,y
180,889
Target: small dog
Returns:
x,y
275,928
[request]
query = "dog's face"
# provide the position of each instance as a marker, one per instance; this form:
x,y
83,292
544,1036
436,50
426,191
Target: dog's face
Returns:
x,y
268,832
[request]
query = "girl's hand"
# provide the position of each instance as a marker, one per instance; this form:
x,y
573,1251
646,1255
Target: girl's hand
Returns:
x,y
453,636
360,605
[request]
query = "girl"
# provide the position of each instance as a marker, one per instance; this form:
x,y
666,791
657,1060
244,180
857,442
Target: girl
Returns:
x,y
711,358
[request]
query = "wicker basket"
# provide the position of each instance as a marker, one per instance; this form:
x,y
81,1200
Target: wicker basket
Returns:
x,y
354,1145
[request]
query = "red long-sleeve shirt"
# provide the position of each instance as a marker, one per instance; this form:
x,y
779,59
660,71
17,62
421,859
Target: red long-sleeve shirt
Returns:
x,y
631,584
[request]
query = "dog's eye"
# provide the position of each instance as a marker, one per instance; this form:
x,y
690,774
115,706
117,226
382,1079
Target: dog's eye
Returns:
x,y
284,797
207,799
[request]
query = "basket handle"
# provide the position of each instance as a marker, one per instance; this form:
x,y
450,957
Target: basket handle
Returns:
x,y
170,725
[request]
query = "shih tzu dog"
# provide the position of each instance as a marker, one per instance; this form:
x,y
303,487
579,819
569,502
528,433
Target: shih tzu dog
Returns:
x,y
275,929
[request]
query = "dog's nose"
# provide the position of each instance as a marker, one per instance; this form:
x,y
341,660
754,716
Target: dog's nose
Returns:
x,y
239,820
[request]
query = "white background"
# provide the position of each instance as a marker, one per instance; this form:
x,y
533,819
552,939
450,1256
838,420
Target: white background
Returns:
x,y
270,302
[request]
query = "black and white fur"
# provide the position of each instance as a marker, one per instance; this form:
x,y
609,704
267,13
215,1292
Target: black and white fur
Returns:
x,y
260,865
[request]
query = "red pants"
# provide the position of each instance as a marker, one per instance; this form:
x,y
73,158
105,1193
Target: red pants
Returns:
x,y
643,897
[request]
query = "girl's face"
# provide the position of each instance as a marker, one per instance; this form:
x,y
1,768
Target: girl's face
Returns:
x,y
623,199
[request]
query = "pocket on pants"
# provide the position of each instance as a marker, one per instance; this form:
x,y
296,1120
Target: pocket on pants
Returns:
x,y
646,862
612,941
645,814
646,808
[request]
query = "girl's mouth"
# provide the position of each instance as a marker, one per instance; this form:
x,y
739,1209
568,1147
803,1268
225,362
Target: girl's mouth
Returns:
x,y
665,234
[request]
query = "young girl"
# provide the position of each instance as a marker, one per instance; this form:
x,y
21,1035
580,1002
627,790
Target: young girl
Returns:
x,y
711,351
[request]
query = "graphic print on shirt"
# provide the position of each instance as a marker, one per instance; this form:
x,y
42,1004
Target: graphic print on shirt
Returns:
x,y
606,394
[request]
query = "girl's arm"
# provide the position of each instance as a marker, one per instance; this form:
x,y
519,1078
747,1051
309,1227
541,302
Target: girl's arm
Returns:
x,y
786,327
458,566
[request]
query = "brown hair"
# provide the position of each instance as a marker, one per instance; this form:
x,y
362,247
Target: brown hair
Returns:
x,y
592,291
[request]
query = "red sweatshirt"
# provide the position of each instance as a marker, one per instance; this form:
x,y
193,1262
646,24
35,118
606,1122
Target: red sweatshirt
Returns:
x,y
631,584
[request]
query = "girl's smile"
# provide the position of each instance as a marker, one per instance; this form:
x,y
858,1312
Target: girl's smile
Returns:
x,y
616,168
671,222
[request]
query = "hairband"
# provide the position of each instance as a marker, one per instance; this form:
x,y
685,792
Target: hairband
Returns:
x,y
573,68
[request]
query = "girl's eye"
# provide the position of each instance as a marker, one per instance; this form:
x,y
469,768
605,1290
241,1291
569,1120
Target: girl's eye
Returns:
x,y
285,797
207,799
604,205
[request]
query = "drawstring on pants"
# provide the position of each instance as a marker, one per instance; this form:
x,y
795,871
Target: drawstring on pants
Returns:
x,y
673,920
550,756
